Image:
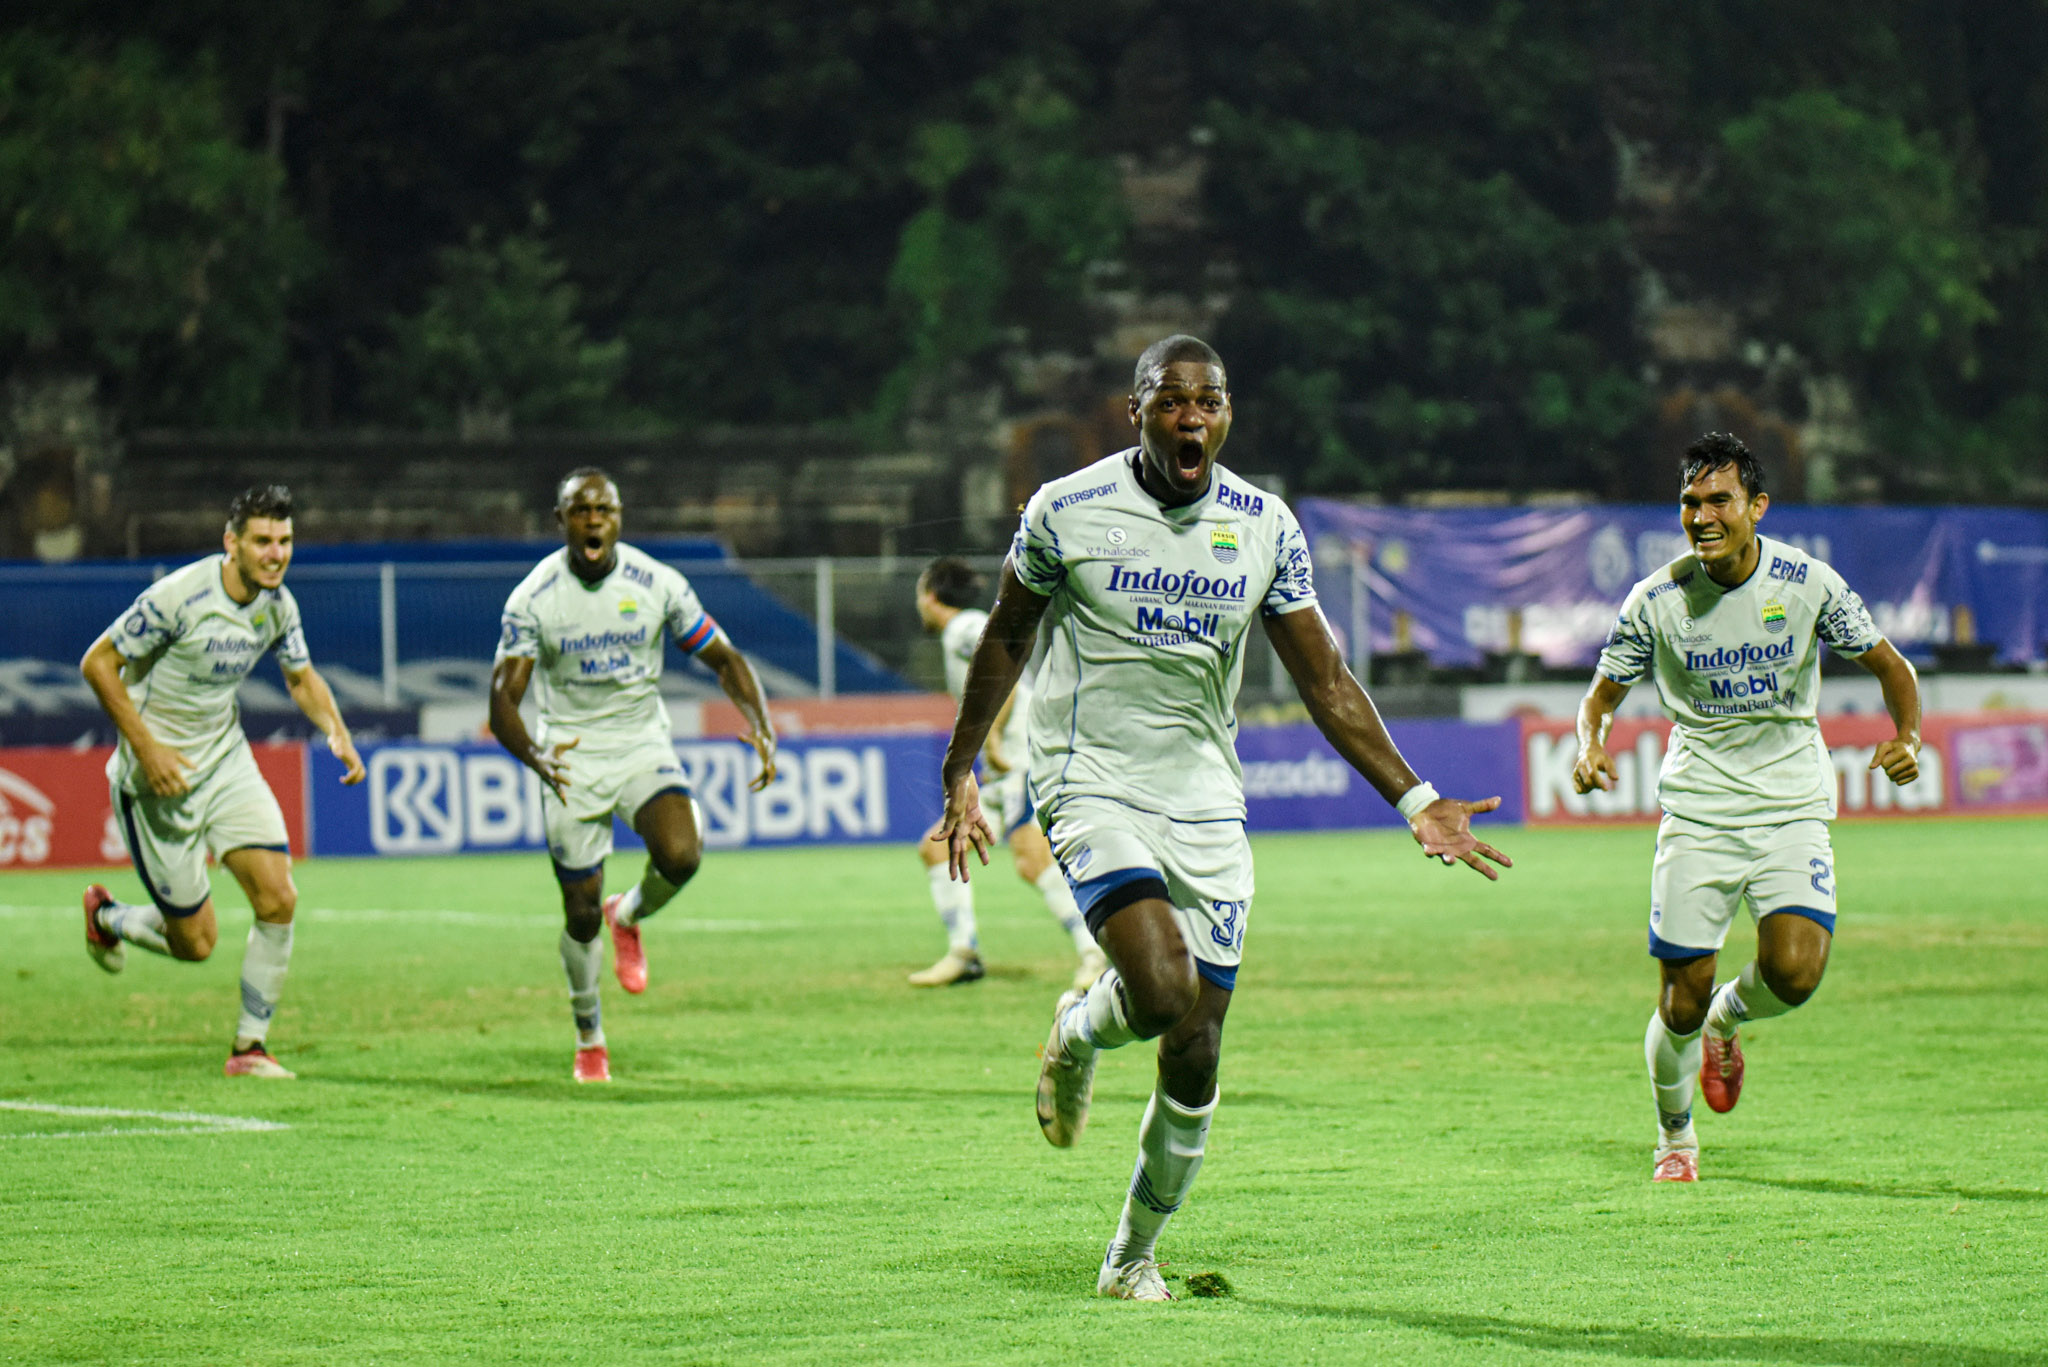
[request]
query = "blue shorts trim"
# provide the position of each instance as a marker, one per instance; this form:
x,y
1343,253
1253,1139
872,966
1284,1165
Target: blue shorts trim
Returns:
x,y
1030,813
679,789
170,909
1102,898
278,849
1662,948
564,875
1225,978
1824,919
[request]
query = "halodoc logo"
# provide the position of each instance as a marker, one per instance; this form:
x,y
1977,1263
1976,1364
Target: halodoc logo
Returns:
x,y
1172,588
1728,659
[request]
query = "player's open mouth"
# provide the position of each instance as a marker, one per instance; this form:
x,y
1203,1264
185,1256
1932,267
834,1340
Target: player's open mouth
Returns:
x,y
1187,460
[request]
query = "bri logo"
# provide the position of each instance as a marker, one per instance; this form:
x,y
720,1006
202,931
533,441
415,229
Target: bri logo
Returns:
x,y
1249,504
1727,659
1172,588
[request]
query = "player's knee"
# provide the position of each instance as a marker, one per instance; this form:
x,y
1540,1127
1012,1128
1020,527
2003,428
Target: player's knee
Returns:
x,y
677,866
1194,1057
1161,1001
196,947
276,905
1792,984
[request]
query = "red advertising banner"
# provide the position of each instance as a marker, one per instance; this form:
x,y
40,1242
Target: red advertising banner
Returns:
x,y
1994,762
56,812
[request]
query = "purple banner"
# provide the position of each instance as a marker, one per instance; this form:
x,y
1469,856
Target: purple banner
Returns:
x,y
1294,781
1464,582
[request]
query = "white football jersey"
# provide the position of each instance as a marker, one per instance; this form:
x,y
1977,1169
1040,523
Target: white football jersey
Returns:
x,y
1738,671
958,640
597,648
186,647
1137,699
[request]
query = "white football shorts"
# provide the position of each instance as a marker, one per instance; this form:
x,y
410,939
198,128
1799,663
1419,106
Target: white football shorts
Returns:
x,y
1103,845
169,838
602,785
1006,802
1702,874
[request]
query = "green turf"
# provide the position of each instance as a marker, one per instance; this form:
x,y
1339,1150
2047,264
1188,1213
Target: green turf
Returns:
x,y
1433,1143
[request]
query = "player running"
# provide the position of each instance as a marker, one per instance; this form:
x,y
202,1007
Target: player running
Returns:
x,y
947,592
1147,569
184,781
593,617
1747,788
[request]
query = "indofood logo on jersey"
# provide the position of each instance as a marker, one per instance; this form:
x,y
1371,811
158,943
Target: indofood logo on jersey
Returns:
x,y
1172,588
1723,659
1223,543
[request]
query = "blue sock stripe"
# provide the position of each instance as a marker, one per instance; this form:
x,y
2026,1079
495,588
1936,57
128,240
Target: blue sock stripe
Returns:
x,y
1144,1195
253,1003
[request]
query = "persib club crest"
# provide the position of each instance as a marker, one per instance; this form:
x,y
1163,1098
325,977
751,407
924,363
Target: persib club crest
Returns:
x,y
629,608
1774,616
1223,543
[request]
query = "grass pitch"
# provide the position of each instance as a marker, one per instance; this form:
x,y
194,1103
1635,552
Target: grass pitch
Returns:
x,y
1433,1144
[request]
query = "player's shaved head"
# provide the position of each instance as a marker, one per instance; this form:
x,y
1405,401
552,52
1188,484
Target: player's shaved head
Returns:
x,y
1715,450
1171,351
575,477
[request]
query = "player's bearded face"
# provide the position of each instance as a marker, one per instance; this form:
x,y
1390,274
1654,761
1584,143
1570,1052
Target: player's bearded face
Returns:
x,y
1183,420
590,517
263,551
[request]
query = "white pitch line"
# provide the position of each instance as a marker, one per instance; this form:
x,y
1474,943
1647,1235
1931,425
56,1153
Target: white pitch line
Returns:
x,y
189,1122
454,916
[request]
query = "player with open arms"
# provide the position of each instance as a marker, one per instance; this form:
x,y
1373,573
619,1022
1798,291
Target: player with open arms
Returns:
x,y
1731,633
184,781
947,593
590,620
1146,570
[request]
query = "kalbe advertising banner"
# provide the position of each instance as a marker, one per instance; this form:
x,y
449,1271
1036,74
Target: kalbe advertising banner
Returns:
x,y
1462,579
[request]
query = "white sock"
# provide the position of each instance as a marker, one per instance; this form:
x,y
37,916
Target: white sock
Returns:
x,y
629,906
582,962
1674,1071
264,962
646,897
1743,998
140,924
1170,1143
1059,900
1100,1020
955,904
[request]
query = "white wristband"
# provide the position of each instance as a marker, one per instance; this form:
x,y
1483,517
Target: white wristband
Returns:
x,y
1414,800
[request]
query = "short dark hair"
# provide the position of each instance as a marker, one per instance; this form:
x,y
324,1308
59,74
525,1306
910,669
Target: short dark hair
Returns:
x,y
259,500
1715,450
1165,352
953,581
577,476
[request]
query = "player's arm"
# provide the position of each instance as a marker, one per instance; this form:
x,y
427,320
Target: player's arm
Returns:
x,y
1595,767
316,700
509,678
163,767
1006,644
1899,757
993,754
743,686
1348,720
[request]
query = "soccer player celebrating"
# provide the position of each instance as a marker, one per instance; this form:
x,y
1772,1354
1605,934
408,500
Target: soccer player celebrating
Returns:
x,y
1147,569
185,783
947,592
593,617
1747,788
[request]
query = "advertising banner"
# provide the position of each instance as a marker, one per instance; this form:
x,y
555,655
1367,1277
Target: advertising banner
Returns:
x,y
1990,763
472,796
56,811
1469,581
1294,781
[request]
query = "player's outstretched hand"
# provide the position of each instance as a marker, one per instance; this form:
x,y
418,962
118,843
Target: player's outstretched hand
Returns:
x,y
343,748
1899,759
764,746
164,768
1444,830
1595,769
553,767
964,826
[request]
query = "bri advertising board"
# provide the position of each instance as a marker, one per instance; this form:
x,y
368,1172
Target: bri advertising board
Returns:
x,y
1990,763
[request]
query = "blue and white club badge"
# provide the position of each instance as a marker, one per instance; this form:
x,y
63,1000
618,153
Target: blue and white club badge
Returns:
x,y
1223,543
